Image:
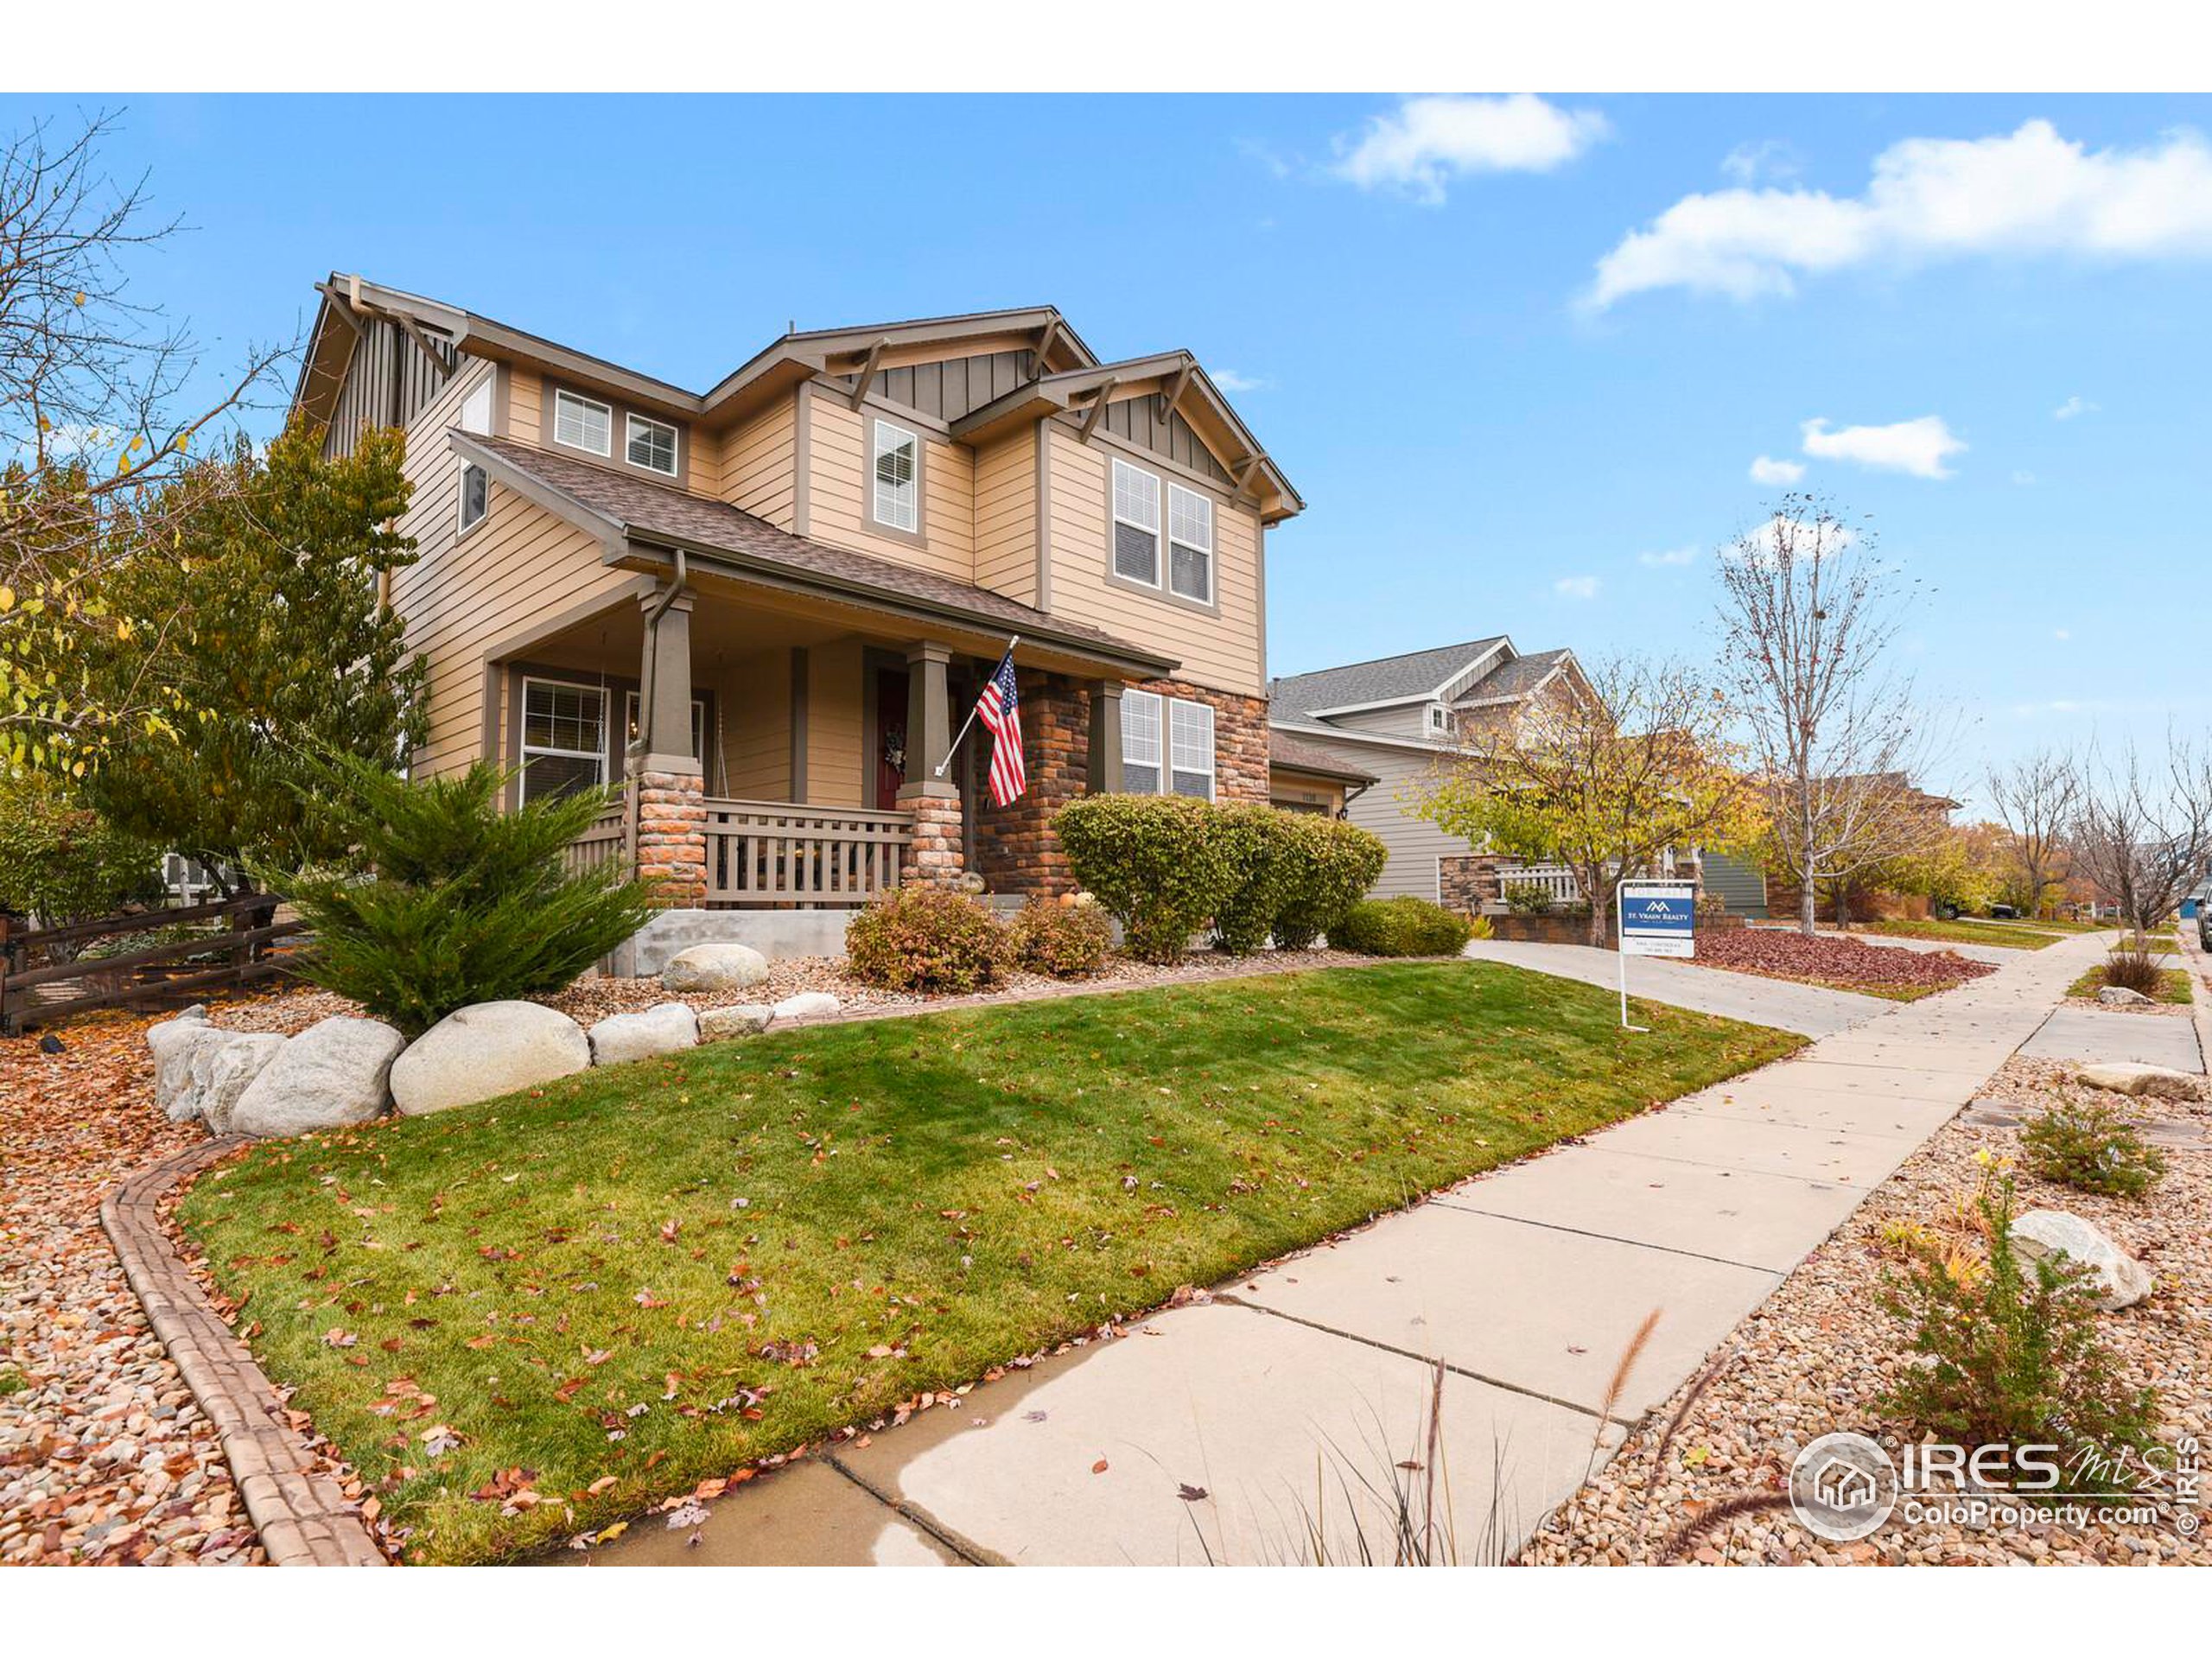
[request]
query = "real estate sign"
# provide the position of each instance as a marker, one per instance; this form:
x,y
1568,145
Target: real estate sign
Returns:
x,y
1657,919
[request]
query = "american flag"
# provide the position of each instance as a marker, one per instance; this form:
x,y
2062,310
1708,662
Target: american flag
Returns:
x,y
1001,712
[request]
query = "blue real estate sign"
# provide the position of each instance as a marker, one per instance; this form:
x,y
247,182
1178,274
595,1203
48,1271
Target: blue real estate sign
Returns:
x,y
1657,919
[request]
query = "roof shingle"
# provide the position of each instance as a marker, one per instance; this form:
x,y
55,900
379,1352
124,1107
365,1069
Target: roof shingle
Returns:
x,y
1386,679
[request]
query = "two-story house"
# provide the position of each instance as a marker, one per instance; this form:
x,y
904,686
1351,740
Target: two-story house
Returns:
x,y
764,608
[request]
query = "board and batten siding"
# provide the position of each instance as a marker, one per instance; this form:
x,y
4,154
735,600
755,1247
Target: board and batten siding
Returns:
x,y
1223,651
837,502
388,382
1005,517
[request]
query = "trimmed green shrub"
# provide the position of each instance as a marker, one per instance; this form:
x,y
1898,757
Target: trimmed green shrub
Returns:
x,y
1068,941
1338,864
1527,898
447,899
927,939
61,862
2090,1146
1401,927
2010,1351
1162,865
1272,860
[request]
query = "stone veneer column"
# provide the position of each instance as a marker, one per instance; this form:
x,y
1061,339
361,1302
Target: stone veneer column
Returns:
x,y
934,856
672,811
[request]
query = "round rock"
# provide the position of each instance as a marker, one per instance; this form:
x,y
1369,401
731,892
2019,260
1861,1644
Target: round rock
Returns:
x,y
484,1051
2120,1280
664,1028
334,1074
807,1005
740,1020
720,967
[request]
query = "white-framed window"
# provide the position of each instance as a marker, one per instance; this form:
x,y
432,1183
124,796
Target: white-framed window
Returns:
x,y
650,444
1190,748
1167,746
583,423
1136,524
475,495
895,462
476,408
563,738
1440,720
1189,545
698,723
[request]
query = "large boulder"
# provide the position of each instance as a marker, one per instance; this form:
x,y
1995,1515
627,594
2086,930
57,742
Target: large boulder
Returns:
x,y
2120,1280
720,966
739,1019
486,1050
664,1028
230,1068
172,1043
2131,1078
807,1005
2119,996
333,1075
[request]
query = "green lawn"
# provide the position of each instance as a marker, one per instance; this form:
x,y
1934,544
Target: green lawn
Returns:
x,y
2173,985
1967,931
660,1273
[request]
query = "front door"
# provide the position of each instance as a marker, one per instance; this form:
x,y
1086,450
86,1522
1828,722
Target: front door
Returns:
x,y
890,737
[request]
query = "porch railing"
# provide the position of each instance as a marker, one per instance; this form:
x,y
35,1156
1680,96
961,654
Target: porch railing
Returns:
x,y
1556,880
601,844
775,853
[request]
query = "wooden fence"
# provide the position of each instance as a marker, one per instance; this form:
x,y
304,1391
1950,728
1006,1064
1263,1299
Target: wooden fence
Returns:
x,y
775,853
38,987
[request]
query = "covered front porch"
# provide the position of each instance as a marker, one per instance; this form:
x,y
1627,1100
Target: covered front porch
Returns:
x,y
780,751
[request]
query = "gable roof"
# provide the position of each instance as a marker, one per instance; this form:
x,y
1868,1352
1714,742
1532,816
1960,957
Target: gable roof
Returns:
x,y
619,509
1068,368
1511,681
1296,755
1411,677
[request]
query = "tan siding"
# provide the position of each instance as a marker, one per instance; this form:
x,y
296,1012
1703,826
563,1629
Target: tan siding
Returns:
x,y
1223,651
1005,517
834,724
760,463
525,397
837,497
752,733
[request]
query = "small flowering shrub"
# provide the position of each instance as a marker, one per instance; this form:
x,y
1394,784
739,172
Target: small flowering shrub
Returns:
x,y
927,939
1068,941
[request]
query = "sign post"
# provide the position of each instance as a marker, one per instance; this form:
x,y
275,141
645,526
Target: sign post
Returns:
x,y
1653,918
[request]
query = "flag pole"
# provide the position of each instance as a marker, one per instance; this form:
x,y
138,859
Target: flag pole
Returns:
x,y
953,748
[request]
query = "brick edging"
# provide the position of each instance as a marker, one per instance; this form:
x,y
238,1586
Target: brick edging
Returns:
x,y
303,1519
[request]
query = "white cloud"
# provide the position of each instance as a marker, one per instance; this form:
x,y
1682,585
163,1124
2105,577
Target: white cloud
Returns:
x,y
1426,142
1769,158
1230,380
2028,192
1576,587
1669,556
2073,406
1918,447
1767,470
1761,543
2062,634
2023,477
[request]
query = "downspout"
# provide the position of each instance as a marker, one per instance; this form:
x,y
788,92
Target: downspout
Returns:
x,y
634,750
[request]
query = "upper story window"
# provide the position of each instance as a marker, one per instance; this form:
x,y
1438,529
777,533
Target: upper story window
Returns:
x,y
895,462
475,495
1176,760
1440,720
583,423
650,444
1189,545
1136,524
476,408
563,738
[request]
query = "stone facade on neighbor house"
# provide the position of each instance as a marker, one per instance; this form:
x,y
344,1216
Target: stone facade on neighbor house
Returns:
x,y
763,609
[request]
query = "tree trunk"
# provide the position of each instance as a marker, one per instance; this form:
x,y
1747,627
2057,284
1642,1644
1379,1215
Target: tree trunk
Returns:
x,y
1809,907
1599,910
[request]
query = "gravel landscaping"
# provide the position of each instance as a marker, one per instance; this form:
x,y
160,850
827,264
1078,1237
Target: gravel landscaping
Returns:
x,y
1815,1356
103,1457
1839,961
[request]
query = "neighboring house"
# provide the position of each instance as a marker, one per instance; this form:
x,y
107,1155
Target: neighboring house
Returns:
x,y
769,605
1306,778
1396,718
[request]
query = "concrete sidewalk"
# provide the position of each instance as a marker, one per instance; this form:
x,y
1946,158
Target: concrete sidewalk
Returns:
x,y
1232,1431
1809,1010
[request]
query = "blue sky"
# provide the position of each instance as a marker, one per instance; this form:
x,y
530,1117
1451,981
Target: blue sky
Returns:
x,y
1491,437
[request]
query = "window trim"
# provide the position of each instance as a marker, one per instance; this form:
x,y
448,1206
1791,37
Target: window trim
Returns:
x,y
523,749
1116,468
1163,588
631,422
464,525
1172,542
875,427
1440,720
1165,725
606,409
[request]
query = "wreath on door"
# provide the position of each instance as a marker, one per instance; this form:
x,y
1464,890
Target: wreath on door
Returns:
x,y
894,747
